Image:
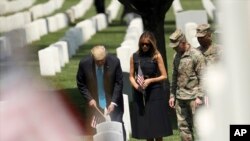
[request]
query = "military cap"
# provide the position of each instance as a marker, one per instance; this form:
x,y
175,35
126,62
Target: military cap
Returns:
x,y
175,38
98,52
202,30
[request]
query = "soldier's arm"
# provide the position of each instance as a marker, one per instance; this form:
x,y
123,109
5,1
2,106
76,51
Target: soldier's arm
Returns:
x,y
200,65
174,81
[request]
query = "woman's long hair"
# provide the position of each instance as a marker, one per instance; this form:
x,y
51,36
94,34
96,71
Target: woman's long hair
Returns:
x,y
148,36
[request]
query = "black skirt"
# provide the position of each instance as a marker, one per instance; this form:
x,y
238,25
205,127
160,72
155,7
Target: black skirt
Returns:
x,y
150,120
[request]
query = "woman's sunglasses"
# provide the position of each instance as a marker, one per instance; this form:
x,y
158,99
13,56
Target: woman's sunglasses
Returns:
x,y
146,44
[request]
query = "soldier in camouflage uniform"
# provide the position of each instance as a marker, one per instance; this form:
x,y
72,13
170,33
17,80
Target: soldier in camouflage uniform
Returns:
x,y
186,94
209,50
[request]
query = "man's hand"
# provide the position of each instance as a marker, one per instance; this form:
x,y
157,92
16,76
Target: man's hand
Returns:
x,y
198,102
171,102
92,103
111,108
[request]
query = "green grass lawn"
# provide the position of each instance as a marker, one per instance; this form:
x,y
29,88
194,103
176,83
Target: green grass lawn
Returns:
x,y
111,38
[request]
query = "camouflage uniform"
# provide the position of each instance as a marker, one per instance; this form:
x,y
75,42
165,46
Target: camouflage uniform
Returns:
x,y
187,69
211,54
186,75
186,87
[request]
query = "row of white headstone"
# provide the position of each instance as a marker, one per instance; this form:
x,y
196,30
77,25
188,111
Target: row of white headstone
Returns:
x,y
14,6
124,52
35,30
52,58
45,9
57,22
28,31
77,11
207,4
112,10
209,7
17,20
184,17
190,34
72,40
130,43
188,21
20,19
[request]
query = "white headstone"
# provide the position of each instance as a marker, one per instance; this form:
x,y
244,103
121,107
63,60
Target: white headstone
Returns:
x,y
52,24
123,53
32,32
42,24
46,64
190,33
74,39
62,20
71,15
132,44
108,136
2,24
101,21
132,36
109,131
87,29
60,54
56,57
177,7
27,17
3,7
37,11
16,20
126,115
196,16
71,45
63,48
5,50
49,7
210,8
137,22
113,9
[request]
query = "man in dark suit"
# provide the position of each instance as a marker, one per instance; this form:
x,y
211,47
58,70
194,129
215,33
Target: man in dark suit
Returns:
x,y
100,81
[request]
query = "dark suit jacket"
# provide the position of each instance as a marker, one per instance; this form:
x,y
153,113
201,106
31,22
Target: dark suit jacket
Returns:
x,y
113,81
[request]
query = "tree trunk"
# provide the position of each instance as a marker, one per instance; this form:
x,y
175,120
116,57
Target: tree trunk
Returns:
x,y
155,24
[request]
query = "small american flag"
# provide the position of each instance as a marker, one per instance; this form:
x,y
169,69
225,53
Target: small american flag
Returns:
x,y
97,118
140,81
140,77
